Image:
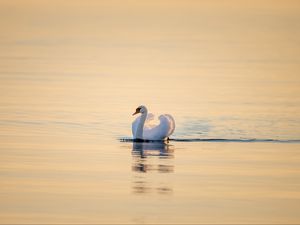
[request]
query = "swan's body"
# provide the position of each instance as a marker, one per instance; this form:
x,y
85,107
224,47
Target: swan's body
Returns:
x,y
142,129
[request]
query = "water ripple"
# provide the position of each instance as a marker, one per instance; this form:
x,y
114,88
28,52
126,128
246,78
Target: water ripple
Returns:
x,y
213,140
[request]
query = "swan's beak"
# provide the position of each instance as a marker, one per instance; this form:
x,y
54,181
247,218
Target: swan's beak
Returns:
x,y
136,111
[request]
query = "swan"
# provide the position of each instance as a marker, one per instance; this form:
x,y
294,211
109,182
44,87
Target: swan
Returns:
x,y
142,129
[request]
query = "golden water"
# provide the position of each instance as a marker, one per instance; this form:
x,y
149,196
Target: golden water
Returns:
x,y
72,73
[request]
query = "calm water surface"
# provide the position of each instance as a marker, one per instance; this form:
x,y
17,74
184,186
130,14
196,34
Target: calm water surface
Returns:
x,y
71,76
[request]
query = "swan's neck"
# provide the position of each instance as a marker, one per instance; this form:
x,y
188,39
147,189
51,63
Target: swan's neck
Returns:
x,y
140,127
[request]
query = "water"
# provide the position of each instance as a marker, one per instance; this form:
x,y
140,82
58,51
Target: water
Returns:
x,y
71,76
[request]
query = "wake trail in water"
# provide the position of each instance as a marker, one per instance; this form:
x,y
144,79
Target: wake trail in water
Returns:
x,y
232,140
213,140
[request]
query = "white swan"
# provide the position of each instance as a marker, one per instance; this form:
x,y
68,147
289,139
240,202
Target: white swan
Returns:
x,y
142,129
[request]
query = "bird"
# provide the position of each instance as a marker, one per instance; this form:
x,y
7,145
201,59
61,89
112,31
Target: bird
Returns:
x,y
144,130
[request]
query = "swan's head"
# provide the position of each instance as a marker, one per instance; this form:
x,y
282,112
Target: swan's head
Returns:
x,y
141,109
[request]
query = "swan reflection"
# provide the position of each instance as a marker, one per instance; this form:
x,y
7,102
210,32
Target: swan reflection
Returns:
x,y
155,158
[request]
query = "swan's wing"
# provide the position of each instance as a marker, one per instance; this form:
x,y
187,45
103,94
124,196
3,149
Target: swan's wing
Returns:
x,y
135,123
171,123
163,130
